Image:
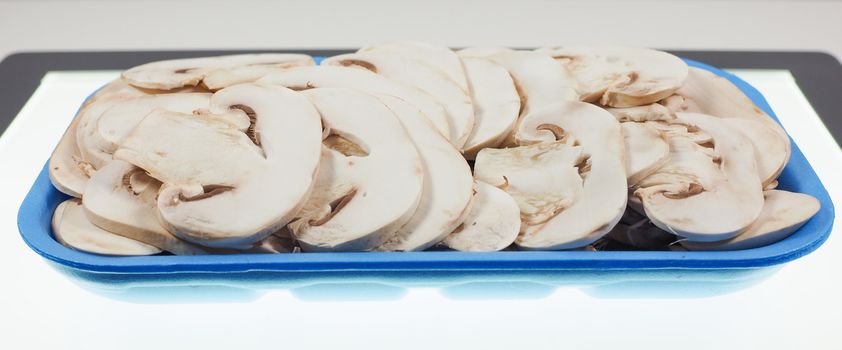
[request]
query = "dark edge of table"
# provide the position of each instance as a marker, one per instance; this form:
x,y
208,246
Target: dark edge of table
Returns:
x,y
818,74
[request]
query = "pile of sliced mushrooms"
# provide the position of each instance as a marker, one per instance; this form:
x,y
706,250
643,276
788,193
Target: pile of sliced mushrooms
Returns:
x,y
407,146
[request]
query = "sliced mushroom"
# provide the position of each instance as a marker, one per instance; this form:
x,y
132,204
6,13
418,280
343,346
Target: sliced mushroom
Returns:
x,y
783,213
603,199
100,134
447,177
492,224
120,198
303,78
440,57
646,150
173,74
539,79
447,188
645,113
707,93
68,171
278,242
542,178
73,229
368,188
698,184
621,76
496,104
226,184
411,72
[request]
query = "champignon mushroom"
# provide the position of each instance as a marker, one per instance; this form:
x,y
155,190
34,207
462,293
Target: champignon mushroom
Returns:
x,y
496,104
447,185
72,228
708,93
621,76
698,184
646,150
492,224
539,79
100,134
228,184
303,78
447,177
783,213
222,70
370,179
542,178
411,72
603,197
645,113
68,171
442,58
120,198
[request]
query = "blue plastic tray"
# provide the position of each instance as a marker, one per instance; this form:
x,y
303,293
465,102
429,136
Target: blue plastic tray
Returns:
x,y
562,267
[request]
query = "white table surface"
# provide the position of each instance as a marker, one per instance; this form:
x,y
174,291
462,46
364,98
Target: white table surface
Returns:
x,y
797,307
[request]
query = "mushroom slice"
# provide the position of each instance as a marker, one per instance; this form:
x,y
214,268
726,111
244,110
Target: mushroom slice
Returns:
x,y
539,79
120,198
492,224
278,242
447,187
173,74
621,76
73,229
646,150
411,72
442,58
783,213
228,184
708,93
68,171
542,178
650,112
695,186
367,188
496,104
100,135
303,78
603,199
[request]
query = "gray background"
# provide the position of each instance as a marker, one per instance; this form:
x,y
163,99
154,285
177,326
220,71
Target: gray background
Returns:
x,y
722,24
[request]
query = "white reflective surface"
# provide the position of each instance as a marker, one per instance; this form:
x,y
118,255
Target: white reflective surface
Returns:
x,y
796,307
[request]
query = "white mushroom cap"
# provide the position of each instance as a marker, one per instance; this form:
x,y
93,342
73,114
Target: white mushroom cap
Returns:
x,y
121,199
621,76
646,150
172,74
440,57
73,229
302,78
411,72
101,134
783,213
708,93
645,113
542,178
540,80
370,178
603,198
228,184
496,104
492,224
695,185
447,189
